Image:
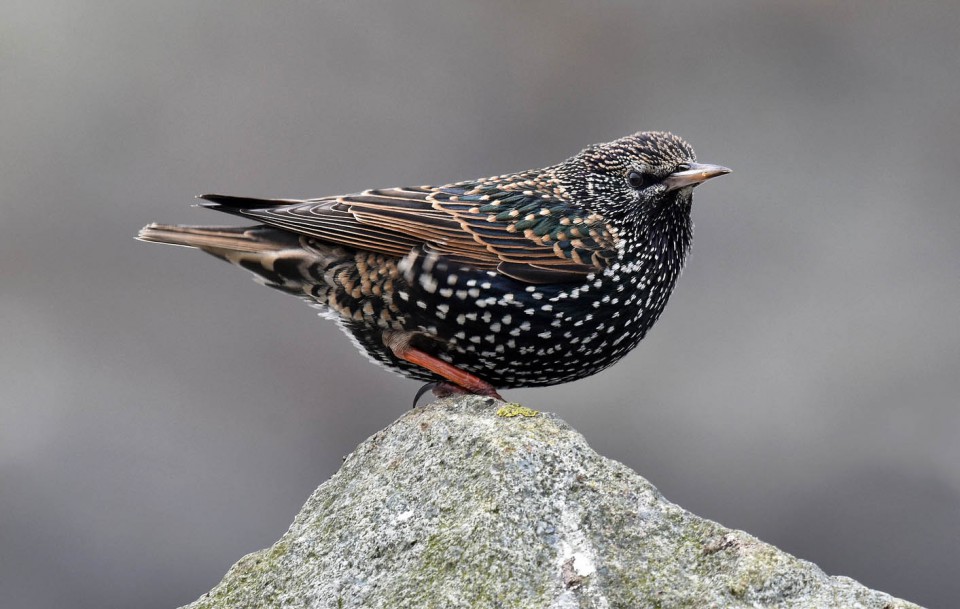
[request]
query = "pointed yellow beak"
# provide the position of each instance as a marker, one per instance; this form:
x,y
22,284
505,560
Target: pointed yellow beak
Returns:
x,y
693,174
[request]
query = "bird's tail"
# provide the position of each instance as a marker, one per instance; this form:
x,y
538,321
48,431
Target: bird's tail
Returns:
x,y
277,258
220,240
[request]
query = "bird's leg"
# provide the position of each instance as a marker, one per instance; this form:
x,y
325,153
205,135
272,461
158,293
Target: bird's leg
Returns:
x,y
459,381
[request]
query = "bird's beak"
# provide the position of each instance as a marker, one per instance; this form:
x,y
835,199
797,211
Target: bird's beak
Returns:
x,y
693,175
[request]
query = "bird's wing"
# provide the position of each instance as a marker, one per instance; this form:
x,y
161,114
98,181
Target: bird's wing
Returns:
x,y
527,234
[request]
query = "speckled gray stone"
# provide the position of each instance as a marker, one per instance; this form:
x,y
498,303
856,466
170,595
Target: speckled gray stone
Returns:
x,y
454,506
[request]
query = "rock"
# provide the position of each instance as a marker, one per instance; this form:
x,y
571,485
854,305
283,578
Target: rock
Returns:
x,y
455,505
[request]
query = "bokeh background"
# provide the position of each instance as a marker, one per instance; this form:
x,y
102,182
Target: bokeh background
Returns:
x,y
161,415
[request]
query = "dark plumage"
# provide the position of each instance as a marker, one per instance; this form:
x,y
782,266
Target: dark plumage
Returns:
x,y
520,280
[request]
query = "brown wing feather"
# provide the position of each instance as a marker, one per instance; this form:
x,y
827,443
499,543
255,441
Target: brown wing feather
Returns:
x,y
532,237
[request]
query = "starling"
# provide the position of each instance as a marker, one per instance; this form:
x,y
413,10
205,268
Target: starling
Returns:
x,y
520,280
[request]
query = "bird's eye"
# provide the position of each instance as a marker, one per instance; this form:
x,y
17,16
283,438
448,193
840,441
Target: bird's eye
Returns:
x,y
638,180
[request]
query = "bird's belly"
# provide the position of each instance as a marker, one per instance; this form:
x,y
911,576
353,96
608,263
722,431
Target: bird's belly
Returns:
x,y
511,334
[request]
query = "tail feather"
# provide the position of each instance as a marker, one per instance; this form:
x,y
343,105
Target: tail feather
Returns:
x,y
275,257
237,205
220,239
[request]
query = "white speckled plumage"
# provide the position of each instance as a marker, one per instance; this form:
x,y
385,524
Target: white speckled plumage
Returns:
x,y
527,279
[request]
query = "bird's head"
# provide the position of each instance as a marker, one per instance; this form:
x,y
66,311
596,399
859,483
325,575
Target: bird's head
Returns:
x,y
647,174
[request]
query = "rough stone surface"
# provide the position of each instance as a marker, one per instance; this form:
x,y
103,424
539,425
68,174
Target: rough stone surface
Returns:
x,y
456,506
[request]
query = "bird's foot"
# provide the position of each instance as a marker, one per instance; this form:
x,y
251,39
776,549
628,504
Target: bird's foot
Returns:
x,y
443,389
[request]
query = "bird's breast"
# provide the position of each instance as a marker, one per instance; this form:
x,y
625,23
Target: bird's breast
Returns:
x,y
526,335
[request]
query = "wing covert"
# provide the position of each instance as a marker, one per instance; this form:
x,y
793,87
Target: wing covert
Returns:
x,y
515,225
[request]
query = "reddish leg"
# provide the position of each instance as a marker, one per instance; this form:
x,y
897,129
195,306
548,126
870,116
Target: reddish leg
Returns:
x,y
459,381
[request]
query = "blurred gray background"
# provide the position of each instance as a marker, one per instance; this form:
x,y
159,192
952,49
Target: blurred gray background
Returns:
x,y
161,415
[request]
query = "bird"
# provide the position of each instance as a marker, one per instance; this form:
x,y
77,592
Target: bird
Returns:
x,y
526,279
